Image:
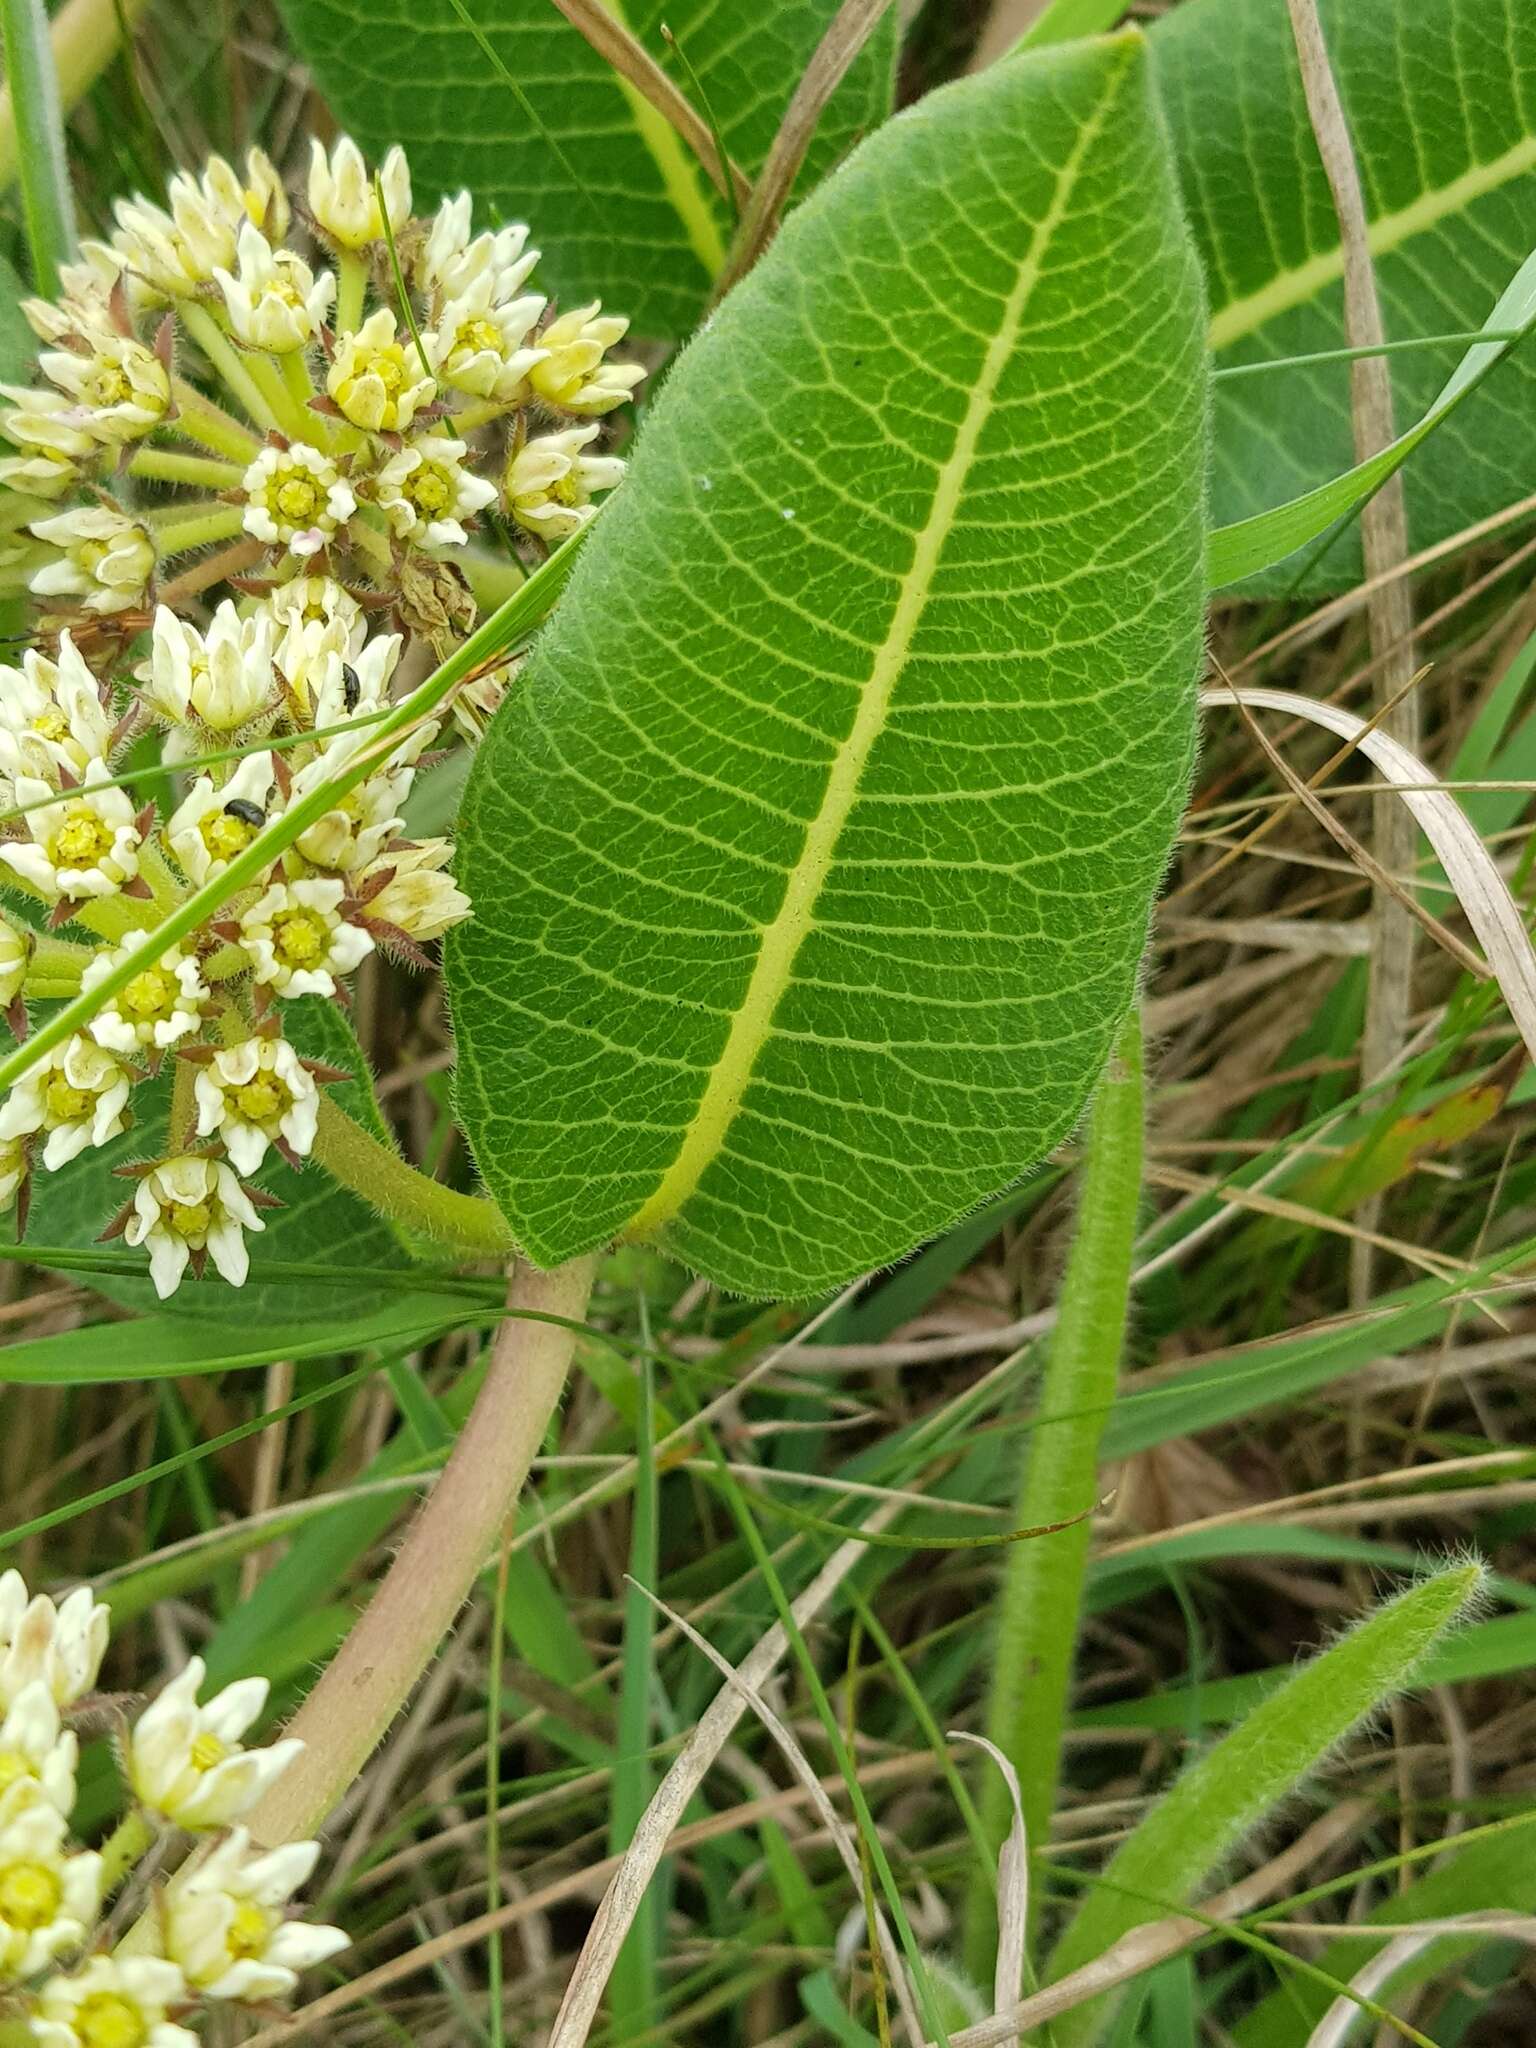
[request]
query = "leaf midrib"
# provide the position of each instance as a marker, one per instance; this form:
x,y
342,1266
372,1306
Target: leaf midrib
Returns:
x,y
1291,288
681,177
783,938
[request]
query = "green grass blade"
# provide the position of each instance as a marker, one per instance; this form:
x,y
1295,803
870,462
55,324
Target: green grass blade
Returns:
x,y
1231,1789
44,170
634,1997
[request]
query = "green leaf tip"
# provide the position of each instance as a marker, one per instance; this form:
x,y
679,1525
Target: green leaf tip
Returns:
x,y
1229,1791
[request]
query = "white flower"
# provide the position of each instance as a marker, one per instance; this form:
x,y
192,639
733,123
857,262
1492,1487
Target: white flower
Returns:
x,y
295,498
77,1093
480,344
185,1762
121,390
550,483
183,1209
342,688
177,252
359,826
51,715
419,899
112,2002
275,300
342,198
254,1095
378,380
107,560
16,944
451,261
48,1897
318,625
426,492
298,941
162,1003
212,825
84,844
38,1754
45,426
224,679
60,1645
223,1921
85,291
572,374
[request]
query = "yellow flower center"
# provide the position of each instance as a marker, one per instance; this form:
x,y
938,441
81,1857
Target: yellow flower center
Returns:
x,y
65,1103
108,2020
388,365
82,840
429,487
13,1765
150,994
261,1099
475,336
225,836
109,384
285,293
298,497
29,1896
566,490
298,937
51,724
249,1931
189,1220
207,1748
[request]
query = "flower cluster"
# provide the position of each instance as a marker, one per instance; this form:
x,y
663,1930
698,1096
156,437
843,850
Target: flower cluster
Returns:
x,y
348,393
218,1929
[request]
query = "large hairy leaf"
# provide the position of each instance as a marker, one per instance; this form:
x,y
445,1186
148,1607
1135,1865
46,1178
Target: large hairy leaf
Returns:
x,y
812,865
1441,99
617,202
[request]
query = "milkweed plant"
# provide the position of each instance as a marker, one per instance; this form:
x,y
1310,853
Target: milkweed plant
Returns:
x,y
263,432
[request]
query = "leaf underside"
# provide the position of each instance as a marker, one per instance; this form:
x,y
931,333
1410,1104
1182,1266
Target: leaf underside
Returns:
x,y
1441,100
812,864
617,202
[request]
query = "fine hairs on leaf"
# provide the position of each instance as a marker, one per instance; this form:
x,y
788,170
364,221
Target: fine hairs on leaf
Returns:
x,y
1219,1799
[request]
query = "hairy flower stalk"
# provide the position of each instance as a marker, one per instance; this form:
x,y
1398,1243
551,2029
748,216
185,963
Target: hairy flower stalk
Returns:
x,y
231,371
217,1930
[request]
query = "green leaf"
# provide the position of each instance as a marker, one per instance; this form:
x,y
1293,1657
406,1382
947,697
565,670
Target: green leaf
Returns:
x,y
1441,101
1229,1791
619,205
812,863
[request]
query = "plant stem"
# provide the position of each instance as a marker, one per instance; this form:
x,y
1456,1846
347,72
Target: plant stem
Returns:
x,y
123,1848
351,284
452,1536
199,419
1042,1591
225,358
398,1190
198,529
166,466
33,85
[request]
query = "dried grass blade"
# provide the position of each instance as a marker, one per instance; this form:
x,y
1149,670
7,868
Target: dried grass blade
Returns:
x,y
837,1828
626,1888
617,46
1012,1888
1334,2028
1480,889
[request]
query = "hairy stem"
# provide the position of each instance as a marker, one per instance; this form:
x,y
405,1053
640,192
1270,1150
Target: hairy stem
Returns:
x,y
453,1535
1042,1592
86,35
165,465
398,1190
